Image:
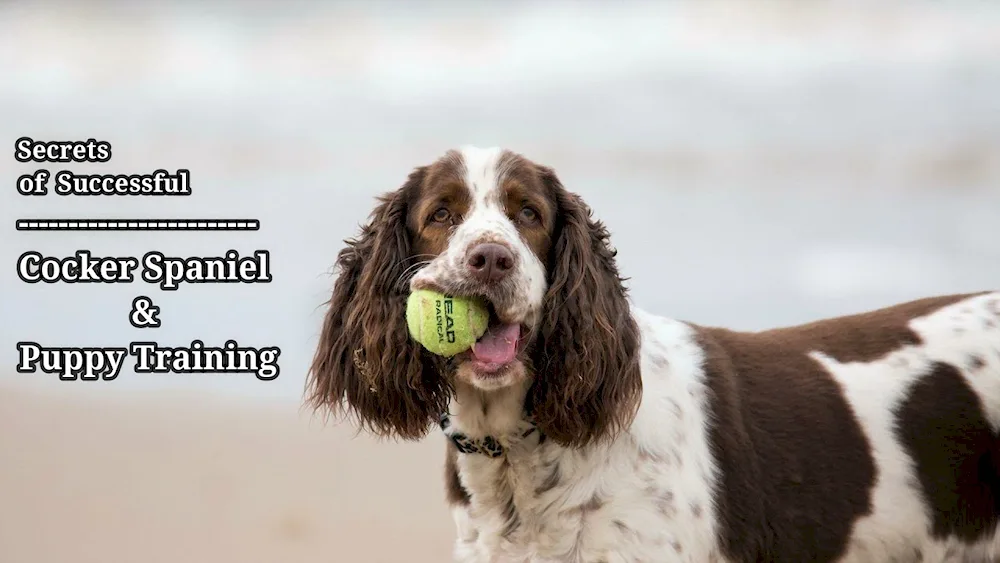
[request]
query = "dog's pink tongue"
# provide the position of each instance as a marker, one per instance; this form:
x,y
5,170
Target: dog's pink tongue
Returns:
x,y
498,345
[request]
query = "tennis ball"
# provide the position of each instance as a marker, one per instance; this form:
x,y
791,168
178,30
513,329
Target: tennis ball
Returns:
x,y
443,324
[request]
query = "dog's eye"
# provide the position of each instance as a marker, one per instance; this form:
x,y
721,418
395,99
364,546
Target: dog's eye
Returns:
x,y
442,215
528,215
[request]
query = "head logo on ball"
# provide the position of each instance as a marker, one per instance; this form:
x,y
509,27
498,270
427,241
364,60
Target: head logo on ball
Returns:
x,y
445,320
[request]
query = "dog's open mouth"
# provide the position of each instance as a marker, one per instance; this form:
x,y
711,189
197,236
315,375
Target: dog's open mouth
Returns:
x,y
498,347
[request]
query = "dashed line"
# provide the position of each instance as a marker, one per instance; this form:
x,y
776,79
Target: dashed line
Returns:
x,y
138,225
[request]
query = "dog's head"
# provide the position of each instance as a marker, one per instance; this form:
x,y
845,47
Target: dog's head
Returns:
x,y
492,224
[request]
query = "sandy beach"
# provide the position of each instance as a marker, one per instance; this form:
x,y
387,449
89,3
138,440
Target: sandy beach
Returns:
x,y
93,477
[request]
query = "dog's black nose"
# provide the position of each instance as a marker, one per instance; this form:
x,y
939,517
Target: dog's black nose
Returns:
x,y
490,262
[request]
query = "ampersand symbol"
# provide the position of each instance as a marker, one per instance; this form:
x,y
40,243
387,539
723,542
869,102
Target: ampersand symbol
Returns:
x,y
144,313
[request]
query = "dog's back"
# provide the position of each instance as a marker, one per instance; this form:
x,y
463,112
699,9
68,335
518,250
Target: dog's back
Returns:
x,y
861,438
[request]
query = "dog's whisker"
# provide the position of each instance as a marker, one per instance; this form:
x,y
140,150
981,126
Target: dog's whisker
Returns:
x,y
410,269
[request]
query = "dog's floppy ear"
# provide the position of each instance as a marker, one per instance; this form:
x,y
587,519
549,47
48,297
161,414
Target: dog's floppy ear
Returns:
x,y
366,364
587,383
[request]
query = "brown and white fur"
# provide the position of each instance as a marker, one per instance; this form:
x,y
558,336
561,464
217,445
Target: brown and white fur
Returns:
x,y
631,437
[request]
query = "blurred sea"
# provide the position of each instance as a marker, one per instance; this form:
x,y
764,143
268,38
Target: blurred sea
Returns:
x,y
759,163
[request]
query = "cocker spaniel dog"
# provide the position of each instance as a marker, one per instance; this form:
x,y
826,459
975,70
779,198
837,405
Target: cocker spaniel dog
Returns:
x,y
584,429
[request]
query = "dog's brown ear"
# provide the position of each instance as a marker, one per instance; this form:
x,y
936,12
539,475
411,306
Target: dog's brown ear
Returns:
x,y
366,364
587,384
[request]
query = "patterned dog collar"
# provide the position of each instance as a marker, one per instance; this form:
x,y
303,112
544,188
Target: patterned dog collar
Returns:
x,y
487,445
